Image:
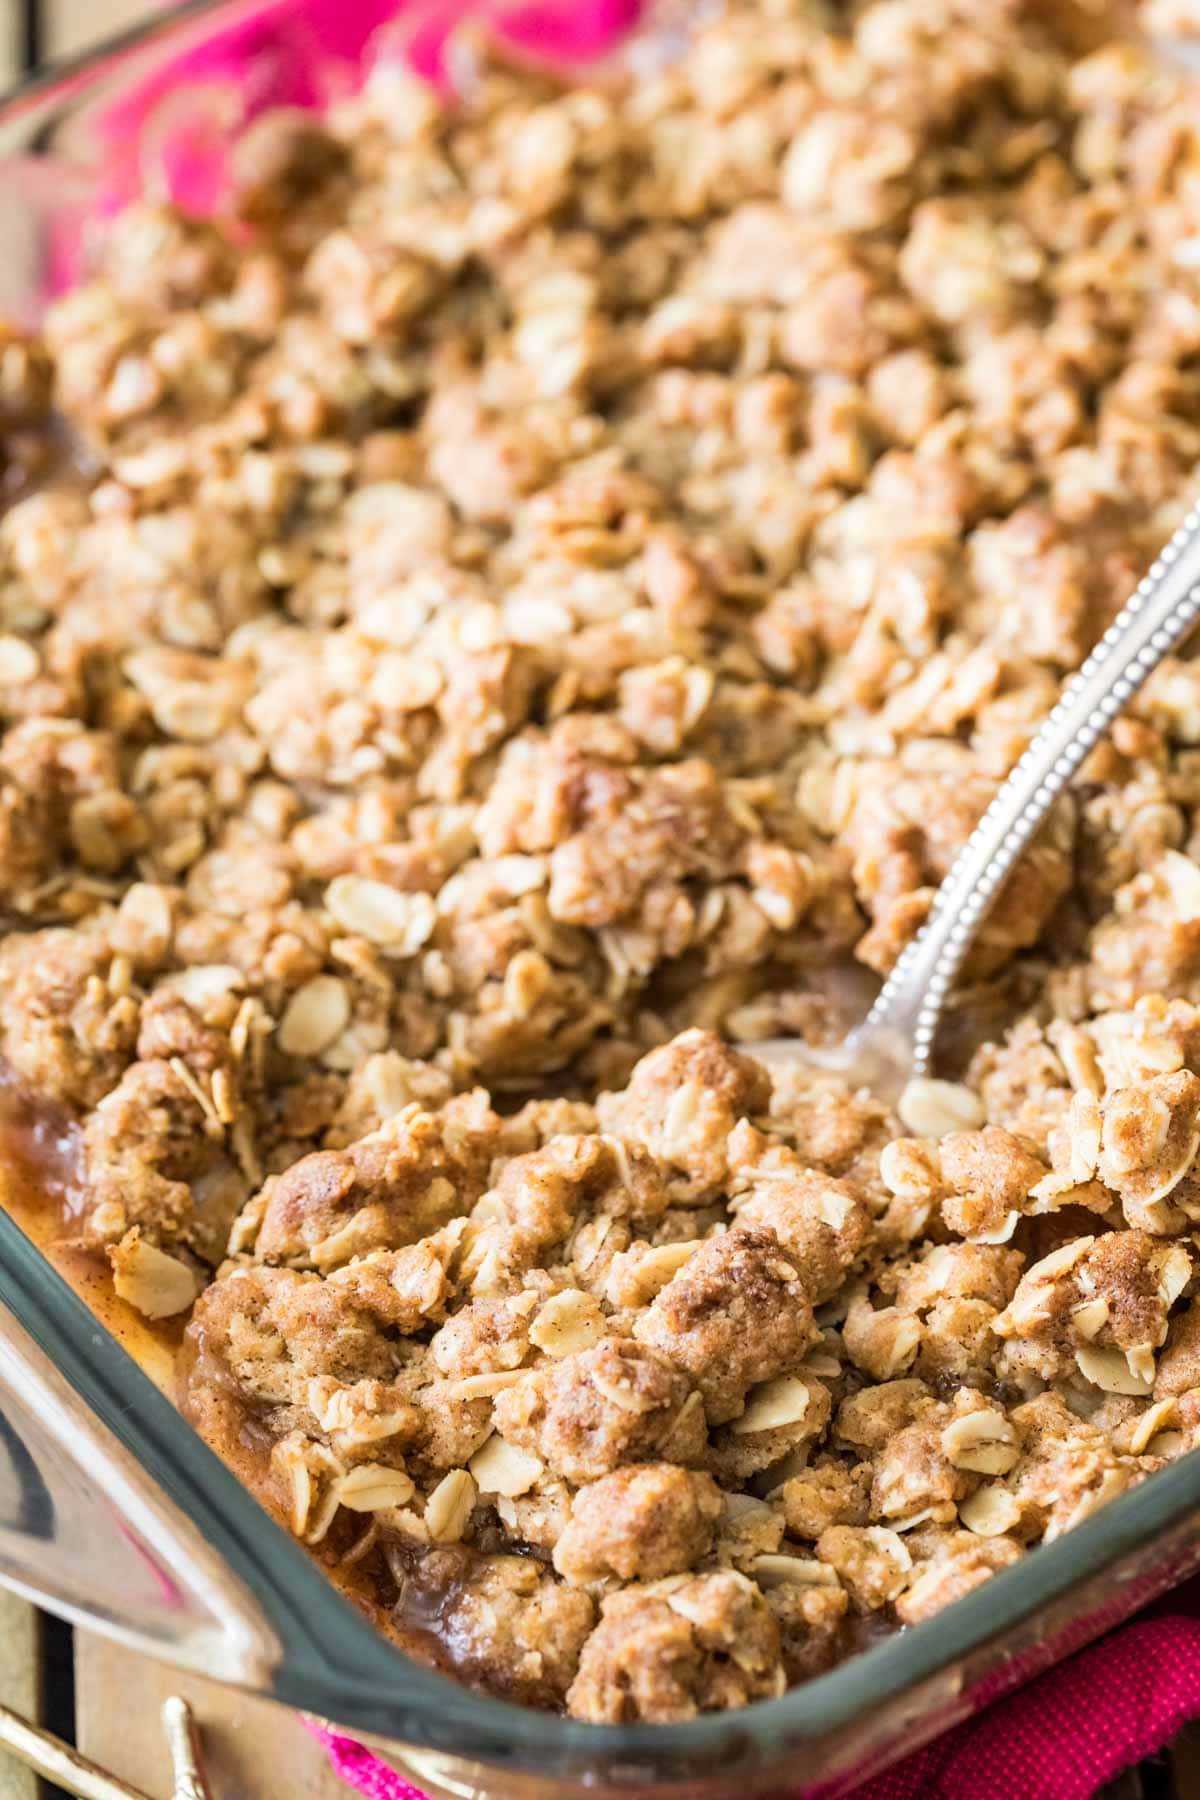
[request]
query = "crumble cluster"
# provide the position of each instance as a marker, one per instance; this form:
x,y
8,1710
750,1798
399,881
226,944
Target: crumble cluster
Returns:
x,y
535,589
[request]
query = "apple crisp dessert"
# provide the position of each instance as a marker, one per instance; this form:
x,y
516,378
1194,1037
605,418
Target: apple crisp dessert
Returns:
x,y
543,589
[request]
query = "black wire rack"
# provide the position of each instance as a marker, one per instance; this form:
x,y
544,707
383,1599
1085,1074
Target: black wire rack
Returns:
x,y
31,34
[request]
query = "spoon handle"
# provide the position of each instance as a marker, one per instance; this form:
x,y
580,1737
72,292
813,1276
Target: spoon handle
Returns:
x,y
1161,612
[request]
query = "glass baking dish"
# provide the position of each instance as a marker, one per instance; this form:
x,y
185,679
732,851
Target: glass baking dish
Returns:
x,y
113,1513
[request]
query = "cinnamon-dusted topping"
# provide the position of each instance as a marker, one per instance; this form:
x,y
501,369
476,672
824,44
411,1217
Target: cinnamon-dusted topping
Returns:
x,y
589,1413
550,583
1100,1302
505,1620
639,1523
679,1647
735,1315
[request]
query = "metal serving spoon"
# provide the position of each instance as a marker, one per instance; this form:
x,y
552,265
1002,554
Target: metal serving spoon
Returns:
x,y
895,1042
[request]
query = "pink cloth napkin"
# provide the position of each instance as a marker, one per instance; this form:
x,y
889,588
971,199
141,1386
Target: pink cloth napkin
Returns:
x,y
1061,1738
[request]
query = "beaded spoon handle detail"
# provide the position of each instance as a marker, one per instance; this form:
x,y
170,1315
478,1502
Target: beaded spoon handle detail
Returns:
x,y
895,1042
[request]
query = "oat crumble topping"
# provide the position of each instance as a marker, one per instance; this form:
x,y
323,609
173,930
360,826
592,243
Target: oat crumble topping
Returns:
x,y
558,578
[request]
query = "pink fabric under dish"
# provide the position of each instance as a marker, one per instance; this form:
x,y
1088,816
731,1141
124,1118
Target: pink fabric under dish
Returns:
x,y
1061,1738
